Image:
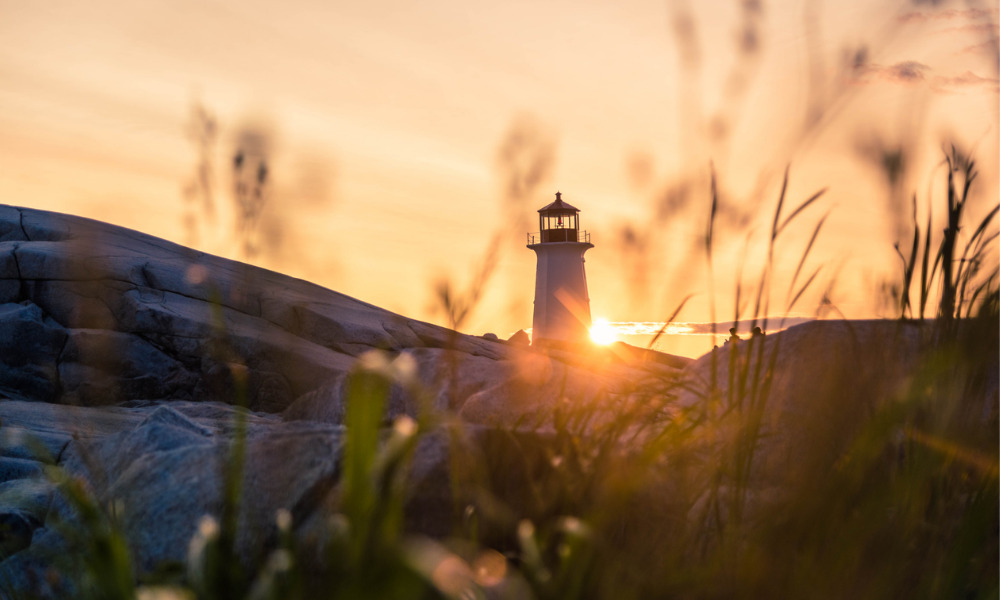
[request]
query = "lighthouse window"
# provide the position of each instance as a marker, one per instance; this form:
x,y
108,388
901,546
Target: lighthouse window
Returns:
x,y
559,222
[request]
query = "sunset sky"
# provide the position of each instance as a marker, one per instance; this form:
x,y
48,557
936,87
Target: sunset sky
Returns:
x,y
404,140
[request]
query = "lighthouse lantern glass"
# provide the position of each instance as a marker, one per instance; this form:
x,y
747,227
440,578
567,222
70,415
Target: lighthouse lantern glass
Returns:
x,y
566,221
559,226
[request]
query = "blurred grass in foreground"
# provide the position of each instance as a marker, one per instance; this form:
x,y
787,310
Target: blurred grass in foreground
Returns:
x,y
656,498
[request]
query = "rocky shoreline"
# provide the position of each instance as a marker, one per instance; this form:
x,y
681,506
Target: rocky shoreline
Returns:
x,y
130,364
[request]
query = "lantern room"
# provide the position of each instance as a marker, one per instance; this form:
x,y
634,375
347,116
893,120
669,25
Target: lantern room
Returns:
x,y
558,222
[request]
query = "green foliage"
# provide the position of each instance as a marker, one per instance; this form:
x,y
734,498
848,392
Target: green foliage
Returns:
x,y
367,557
104,560
644,496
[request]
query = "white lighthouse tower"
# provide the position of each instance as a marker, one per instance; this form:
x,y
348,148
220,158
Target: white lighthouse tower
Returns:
x,y
562,306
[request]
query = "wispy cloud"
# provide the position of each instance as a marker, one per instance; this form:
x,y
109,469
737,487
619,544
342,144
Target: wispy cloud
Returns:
x,y
909,71
969,24
946,15
965,81
990,47
643,328
974,28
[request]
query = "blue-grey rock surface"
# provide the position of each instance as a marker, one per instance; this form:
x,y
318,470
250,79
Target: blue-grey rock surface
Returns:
x,y
126,362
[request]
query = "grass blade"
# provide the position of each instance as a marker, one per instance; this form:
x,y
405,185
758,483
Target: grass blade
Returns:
x,y
799,210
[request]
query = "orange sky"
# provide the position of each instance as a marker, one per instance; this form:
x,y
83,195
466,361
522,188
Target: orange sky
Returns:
x,y
384,122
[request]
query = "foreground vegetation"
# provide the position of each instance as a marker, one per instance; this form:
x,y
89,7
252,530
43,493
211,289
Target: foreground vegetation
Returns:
x,y
666,498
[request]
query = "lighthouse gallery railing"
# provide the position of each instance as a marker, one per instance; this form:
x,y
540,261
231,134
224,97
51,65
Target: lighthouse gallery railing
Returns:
x,y
558,235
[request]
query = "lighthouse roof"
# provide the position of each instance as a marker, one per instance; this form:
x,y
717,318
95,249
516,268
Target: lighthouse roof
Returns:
x,y
559,205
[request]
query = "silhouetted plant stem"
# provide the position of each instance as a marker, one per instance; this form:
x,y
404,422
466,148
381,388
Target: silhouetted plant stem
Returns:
x,y
959,288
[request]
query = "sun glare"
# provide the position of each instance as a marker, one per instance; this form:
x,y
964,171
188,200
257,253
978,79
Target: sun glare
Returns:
x,y
601,332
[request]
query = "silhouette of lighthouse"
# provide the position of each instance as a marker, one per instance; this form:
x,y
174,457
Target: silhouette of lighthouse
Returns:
x,y
562,306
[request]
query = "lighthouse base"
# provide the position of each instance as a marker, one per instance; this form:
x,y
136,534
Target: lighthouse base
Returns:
x,y
562,305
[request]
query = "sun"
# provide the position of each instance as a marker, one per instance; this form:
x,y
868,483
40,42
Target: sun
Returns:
x,y
602,333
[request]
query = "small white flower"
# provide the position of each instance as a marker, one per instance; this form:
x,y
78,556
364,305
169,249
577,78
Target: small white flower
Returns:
x,y
374,360
525,529
404,426
405,367
163,592
284,519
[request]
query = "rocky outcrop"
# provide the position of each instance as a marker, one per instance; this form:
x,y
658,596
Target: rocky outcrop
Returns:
x,y
161,466
129,364
93,314
813,382
160,470
123,359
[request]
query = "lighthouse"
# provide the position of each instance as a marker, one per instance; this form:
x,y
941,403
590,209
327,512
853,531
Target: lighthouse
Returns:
x,y
562,306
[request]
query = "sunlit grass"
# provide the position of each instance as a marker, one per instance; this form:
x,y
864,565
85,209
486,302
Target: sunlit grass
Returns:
x,y
679,490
